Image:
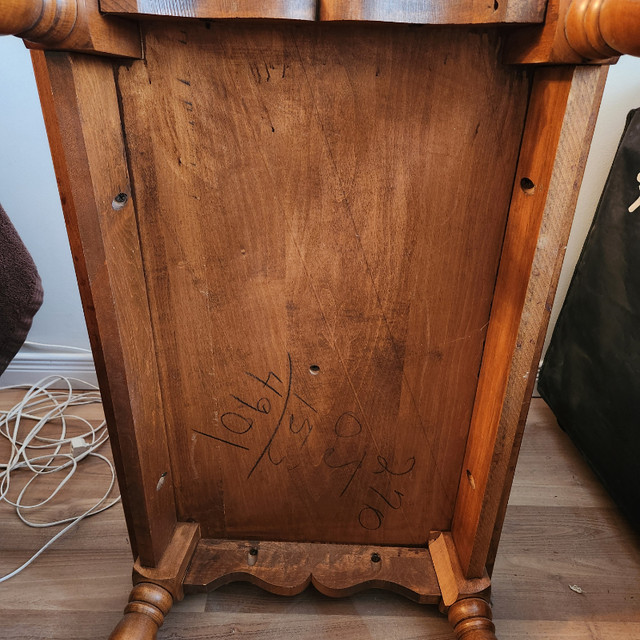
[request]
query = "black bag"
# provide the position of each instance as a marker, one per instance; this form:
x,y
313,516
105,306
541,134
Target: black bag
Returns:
x,y
591,373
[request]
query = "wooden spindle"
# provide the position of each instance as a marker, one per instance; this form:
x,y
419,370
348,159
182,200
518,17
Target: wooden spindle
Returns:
x,y
17,16
148,605
598,29
43,21
471,619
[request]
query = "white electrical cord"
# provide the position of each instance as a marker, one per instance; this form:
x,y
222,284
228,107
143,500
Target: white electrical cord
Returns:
x,y
44,402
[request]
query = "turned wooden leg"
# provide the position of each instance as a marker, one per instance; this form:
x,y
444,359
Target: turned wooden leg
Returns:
x,y
471,619
148,605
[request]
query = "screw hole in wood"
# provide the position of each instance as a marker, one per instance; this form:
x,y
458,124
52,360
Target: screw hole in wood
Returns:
x,y
314,369
161,481
119,201
471,479
527,185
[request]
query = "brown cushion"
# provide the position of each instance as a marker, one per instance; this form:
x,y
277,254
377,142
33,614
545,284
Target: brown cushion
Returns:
x,y
20,291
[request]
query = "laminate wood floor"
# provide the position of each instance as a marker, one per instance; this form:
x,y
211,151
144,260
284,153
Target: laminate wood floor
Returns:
x,y
561,529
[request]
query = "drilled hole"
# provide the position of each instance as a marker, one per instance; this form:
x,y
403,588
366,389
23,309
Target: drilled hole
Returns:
x,y
527,185
471,479
375,557
119,201
314,369
253,551
161,481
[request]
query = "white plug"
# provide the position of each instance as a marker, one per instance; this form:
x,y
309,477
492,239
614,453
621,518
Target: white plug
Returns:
x,y
79,447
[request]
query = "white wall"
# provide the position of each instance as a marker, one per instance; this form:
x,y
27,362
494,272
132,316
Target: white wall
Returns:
x,y
29,194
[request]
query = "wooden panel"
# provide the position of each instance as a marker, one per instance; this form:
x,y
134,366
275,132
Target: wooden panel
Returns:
x,y
290,9
321,210
85,134
435,11
491,438
335,570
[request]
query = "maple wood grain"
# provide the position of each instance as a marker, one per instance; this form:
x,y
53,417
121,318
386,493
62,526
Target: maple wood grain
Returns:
x,y
322,224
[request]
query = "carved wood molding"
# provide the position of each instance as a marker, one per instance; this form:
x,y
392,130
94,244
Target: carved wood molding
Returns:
x,y
69,25
403,11
600,29
213,9
288,568
574,31
579,31
434,12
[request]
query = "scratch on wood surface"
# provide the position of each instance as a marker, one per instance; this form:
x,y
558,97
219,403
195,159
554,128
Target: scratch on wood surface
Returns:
x,y
467,337
392,341
313,287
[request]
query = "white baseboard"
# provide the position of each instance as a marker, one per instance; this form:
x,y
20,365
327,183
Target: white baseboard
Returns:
x,y
29,367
